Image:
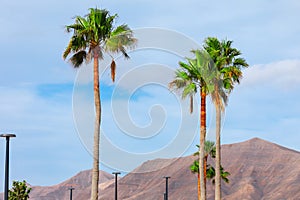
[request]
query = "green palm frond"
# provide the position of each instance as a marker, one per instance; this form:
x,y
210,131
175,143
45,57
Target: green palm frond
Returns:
x,y
81,23
183,75
209,149
121,30
120,39
197,152
67,50
77,43
73,27
181,80
95,33
210,173
123,35
195,167
232,72
228,64
100,24
240,62
189,69
195,74
224,175
189,90
213,47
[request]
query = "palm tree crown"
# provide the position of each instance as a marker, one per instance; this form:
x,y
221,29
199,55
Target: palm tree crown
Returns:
x,y
95,34
210,151
227,60
193,76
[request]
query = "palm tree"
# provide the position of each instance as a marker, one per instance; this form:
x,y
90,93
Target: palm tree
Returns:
x,y
228,64
191,78
211,174
219,98
195,169
210,150
94,35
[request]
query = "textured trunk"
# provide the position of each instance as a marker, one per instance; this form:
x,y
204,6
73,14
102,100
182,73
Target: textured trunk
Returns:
x,y
218,154
205,167
95,171
202,144
199,194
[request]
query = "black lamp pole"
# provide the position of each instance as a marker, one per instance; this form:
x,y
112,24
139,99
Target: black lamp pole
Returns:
x,y
71,189
116,184
166,194
7,136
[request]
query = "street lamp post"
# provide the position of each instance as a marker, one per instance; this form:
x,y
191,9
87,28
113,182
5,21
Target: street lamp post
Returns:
x,y
166,193
7,136
71,190
116,184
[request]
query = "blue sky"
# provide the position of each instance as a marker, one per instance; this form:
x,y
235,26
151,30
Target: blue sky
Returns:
x,y
37,86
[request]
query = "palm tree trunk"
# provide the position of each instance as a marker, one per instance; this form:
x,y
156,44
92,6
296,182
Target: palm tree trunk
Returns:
x,y
205,166
199,194
218,154
95,171
202,144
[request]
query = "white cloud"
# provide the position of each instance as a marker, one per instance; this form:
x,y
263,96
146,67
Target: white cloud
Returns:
x,y
283,75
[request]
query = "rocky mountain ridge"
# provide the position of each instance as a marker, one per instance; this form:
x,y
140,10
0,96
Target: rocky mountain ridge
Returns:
x,y
259,170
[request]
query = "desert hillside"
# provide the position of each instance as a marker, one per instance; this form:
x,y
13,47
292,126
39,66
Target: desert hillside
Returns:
x,y
259,170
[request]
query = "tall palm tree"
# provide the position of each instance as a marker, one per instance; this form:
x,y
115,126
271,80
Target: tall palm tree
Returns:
x,y
94,35
210,151
229,64
195,170
219,98
190,79
210,173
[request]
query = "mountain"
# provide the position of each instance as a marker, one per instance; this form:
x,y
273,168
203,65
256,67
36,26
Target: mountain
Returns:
x,y
80,182
259,170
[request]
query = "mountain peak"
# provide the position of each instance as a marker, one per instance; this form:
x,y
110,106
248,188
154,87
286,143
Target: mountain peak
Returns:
x,y
263,144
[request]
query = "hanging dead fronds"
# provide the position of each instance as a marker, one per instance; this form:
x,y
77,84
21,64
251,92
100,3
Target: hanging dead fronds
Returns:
x,y
191,104
113,70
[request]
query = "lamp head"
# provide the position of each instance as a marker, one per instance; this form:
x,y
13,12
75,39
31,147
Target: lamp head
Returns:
x,y
7,135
